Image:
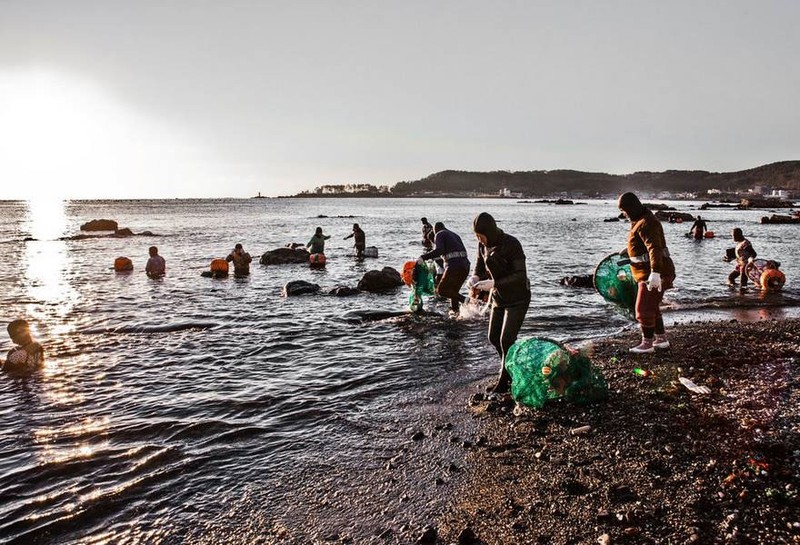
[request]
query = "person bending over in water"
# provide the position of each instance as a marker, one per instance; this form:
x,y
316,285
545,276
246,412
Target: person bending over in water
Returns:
x,y
501,270
652,269
156,266
241,261
456,265
744,253
317,242
360,239
28,355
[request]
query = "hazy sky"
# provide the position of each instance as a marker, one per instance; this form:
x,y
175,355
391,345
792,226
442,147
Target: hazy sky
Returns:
x,y
207,98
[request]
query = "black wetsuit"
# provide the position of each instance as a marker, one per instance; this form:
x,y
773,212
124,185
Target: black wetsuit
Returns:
x,y
360,239
698,228
503,259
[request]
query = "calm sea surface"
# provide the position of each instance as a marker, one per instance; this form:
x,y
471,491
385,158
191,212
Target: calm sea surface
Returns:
x,y
192,409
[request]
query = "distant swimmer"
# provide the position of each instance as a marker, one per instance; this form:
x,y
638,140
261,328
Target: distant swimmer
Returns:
x,y
28,355
156,266
450,248
652,269
317,243
241,261
360,239
501,270
744,253
698,228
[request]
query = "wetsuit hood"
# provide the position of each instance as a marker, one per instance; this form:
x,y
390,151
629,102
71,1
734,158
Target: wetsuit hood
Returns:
x,y
485,225
438,226
631,205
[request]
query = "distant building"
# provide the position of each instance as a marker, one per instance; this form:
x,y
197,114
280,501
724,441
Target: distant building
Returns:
x,y
779,194
508,194
714,192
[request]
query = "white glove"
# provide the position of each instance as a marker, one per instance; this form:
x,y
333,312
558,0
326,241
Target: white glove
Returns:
x,y
751,259
474,279
654,281
484,285
420,261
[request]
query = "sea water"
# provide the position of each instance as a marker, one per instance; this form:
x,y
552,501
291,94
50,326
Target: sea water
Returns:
x,y
189,408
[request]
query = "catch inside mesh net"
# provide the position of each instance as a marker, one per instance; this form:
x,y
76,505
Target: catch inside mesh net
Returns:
x,y
422,284
614,281
543,369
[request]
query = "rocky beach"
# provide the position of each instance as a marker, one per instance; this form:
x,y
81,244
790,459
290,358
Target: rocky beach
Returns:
x,y
660,464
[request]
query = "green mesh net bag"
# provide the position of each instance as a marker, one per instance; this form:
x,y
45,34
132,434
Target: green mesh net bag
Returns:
x,y
542,369
613,280
423,284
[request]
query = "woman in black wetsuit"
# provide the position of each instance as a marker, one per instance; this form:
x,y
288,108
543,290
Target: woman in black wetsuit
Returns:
x,y
501,270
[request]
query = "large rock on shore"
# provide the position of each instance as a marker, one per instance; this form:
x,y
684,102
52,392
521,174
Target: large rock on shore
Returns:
x,y
100,225
299,287
379,281
284,256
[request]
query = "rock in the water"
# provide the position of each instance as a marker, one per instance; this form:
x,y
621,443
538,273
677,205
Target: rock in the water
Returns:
x,y
283,256
343,291
378,281
124,232
299,287
100,225
578,281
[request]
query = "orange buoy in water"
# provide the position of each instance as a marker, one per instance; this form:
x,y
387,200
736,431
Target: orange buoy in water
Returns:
x,y
316,260
408,272
123,264
219,267
772,280
709,234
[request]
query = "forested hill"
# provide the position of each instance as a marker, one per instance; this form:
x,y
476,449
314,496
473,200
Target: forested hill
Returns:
x,y
781,175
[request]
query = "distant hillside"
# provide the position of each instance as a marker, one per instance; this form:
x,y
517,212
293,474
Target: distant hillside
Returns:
x,y
782,175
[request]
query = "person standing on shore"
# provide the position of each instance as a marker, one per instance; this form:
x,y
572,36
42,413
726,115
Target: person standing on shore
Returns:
x,y
652,269
156,266
360,239
450,248
501,271
698,229
744,254
241,261
317,243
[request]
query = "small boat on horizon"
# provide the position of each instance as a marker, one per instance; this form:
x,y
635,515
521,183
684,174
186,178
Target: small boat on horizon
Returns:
x,y
259,196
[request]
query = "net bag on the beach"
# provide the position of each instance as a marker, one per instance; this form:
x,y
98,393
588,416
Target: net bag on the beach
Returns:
x,y
542,369
422,284
614,281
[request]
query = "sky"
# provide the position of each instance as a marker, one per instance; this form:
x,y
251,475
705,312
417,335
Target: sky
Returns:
x,y
121,99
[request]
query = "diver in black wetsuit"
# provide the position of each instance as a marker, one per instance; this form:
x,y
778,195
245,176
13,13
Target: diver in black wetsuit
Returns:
x,y
698,228
360,239
427,233
501,270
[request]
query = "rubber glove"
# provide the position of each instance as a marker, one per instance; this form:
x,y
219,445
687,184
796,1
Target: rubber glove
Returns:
x,y
654,281
751,259
484,285
474,279
420,261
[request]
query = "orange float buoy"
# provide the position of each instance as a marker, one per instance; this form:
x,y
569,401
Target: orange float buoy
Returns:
x,y
219,267
709,234
123,264
316,261
408,272
772,280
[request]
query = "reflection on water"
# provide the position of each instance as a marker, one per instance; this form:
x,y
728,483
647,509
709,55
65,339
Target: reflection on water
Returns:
x,y
191,406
